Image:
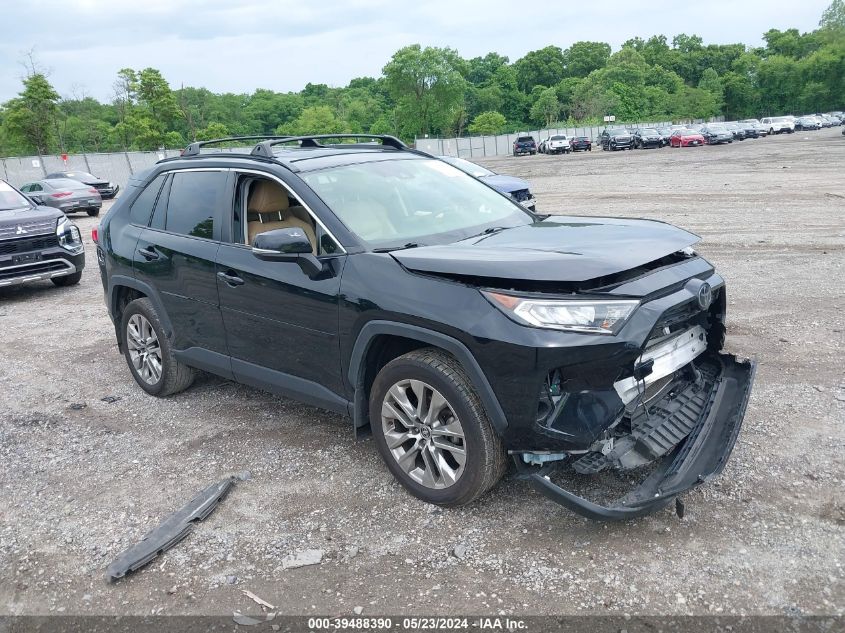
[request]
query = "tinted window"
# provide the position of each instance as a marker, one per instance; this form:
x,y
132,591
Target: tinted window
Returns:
x,y
194,196
142,208
160,213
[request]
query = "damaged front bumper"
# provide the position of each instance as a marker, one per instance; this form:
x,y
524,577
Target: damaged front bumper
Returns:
x,y
715,412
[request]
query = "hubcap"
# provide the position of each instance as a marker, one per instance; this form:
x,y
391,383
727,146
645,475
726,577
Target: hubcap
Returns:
x,y
144,348
423,434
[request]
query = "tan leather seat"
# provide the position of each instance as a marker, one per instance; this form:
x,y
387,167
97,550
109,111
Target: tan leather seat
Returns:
x,y
269,203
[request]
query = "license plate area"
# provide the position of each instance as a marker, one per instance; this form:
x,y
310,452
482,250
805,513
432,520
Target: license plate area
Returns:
x,y
26,258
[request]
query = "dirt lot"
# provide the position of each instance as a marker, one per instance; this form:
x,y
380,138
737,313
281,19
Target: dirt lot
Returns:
x,y
81,484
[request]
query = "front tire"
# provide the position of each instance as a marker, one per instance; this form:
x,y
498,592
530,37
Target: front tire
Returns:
x,y
148,352
432,431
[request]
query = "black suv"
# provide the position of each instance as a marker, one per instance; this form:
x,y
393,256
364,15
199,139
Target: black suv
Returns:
x,y
37,243
616,139
374,280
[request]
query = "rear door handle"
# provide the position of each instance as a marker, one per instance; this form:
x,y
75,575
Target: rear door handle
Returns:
x,y
149,253
231,278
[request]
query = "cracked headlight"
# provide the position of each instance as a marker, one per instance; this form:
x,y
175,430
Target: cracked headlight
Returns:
x,y
69,236
574,315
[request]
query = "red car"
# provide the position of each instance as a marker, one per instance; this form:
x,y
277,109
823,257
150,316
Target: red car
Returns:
x,y
685,138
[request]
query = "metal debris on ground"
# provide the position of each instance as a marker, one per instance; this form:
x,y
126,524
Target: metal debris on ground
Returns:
x,y
172,530
110,399
245,620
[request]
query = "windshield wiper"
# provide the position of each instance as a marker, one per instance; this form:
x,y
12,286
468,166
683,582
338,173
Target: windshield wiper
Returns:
x,y
488,231
387,249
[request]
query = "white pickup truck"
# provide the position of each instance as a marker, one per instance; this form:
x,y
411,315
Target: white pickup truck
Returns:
x,y
555,144
779,124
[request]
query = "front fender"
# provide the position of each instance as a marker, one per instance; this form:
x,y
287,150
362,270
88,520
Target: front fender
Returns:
x,y
372,329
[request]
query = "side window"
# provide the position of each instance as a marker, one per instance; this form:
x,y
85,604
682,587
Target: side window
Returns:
x,y
160,212
327,245
142,208
194,197
25,188
36,187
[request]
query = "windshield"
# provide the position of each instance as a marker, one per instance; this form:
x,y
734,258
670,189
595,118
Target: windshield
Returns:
x,y
11,199
558,138
471,168
716,128
392,203
648,131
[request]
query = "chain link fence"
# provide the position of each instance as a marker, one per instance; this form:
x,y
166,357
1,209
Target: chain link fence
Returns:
x,y
502,144
115,167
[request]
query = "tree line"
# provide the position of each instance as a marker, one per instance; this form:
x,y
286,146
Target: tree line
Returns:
x,y
435,91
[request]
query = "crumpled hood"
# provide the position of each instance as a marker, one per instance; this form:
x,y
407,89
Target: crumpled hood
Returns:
x,y
560,248
505,184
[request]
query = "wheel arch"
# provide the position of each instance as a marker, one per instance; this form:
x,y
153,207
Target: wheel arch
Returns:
x,y
122,291
379,342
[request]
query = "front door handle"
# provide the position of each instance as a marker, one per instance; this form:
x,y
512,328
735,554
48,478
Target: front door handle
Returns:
x,y
149,253
231,278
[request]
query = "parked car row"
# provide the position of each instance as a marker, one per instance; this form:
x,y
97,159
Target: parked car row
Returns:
x,y
622,138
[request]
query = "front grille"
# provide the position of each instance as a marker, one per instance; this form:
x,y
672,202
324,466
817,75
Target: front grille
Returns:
x,y
28,244
46,266
27,227
678,319
521,195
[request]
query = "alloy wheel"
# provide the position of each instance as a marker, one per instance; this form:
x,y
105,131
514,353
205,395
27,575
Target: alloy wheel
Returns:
x,y
423,434
144,348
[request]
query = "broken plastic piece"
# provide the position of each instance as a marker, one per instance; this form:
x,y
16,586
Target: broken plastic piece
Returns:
x,y
172,530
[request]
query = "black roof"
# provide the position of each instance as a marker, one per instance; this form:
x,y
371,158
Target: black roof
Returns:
x,y
305,153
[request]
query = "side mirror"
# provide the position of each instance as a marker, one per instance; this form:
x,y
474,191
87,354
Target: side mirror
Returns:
x,y
287,245
36,199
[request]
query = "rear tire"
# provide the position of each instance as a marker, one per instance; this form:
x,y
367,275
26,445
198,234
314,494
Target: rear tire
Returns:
x,y
93,212
67,280
432,431
148,352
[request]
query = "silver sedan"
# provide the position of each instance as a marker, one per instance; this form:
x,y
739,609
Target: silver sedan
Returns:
x,y
65,194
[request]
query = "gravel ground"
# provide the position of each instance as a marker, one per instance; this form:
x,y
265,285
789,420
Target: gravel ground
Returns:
x,y
83,478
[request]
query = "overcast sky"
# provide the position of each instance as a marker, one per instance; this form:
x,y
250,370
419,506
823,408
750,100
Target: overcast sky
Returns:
x,y
240,45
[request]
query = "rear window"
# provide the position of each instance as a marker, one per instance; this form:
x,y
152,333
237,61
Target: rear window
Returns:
x,y
67,183
525,139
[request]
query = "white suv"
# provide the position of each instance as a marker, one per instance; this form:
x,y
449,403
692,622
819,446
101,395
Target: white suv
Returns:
x,y
779,124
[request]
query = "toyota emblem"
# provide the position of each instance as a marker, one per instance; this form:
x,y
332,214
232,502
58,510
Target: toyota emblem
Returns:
x,y
705,296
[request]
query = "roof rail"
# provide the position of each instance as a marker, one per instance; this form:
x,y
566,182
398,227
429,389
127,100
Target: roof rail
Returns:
x,y
194,148
265,149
